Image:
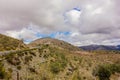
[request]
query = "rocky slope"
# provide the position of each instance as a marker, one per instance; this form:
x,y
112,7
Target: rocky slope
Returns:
x,y
9,43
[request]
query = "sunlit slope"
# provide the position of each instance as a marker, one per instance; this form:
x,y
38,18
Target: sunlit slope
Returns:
x,y
54,42
52,63
9,43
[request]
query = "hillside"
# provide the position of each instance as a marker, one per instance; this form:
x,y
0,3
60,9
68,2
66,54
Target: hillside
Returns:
x,y
55,43
52,59
9,43
52,63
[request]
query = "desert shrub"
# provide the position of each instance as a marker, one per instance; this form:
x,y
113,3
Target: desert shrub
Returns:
x,y
27,59
114,68
76,58
26,53
9,56
77,77
19,67
45,45
20,54
60,62
3,73
10,70
45,55
60,56
40,54
55,67
31,78
32,53
32,70
44,76
104,71
12,59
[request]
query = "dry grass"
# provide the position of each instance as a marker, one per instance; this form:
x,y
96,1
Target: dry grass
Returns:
x,y
52,63
8,43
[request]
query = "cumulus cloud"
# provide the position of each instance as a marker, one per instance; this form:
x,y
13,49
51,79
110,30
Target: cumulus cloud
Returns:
x,y
27,34
73,16
88,21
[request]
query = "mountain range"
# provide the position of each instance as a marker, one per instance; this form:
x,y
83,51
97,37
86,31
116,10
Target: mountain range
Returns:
x,y
100,47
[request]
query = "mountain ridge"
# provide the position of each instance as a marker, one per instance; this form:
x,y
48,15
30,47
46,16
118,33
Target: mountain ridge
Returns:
x,y
54,42
100,47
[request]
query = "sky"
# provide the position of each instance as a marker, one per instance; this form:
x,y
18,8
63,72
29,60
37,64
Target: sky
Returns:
x,y
79,22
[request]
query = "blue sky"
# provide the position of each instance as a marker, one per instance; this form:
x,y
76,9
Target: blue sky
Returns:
x,y
52,35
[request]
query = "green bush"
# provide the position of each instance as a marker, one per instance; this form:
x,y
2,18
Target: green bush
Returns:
x,y
115,68
32,70
55,67
59,64
27,59
32,53
104,71
3,73
19,67
20,54
10,70
12,59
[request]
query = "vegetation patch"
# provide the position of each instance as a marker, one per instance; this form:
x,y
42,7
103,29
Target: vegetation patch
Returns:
x,y
19,67
27,59
3,73
13,59
59,64
104,71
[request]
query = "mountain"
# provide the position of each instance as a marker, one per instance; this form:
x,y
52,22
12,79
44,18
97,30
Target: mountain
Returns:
x,y
100,47
9,43
52,59
54,42
118,47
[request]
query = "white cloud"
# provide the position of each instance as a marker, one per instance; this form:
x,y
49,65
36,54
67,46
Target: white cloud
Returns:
x,y
97,11
74,34
73,16
97,21
25,33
